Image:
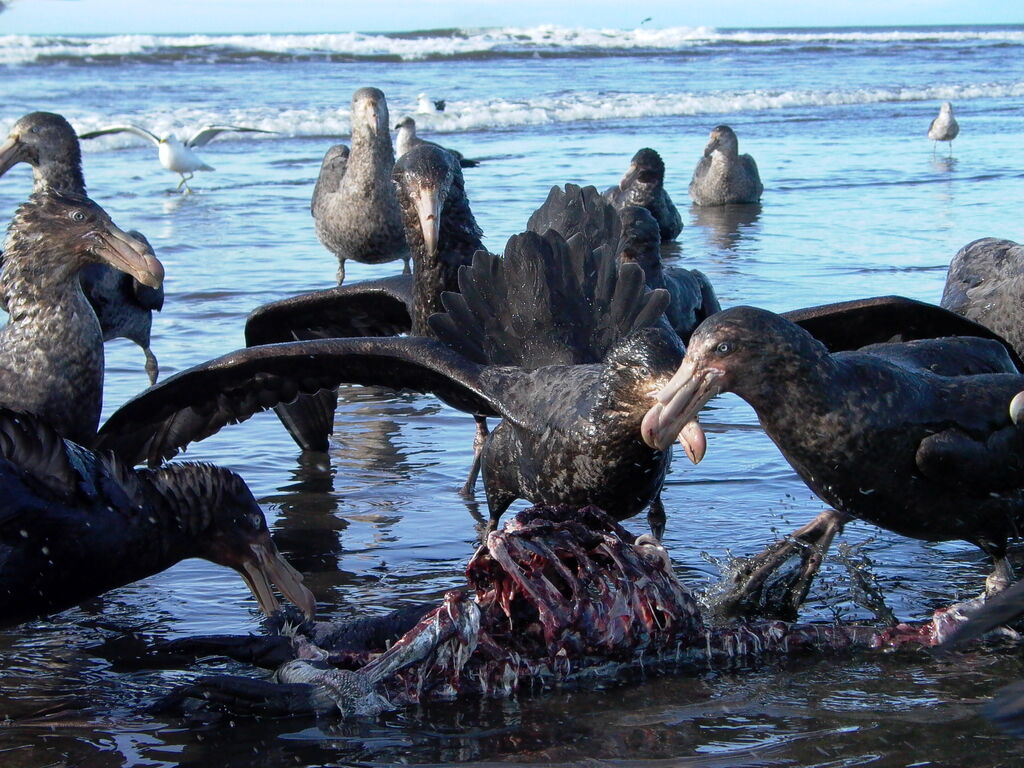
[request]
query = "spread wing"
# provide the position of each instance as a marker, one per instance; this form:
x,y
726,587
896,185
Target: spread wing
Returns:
x,y
137,130
574,210
196,403
207,133
369,308
546,302
854,324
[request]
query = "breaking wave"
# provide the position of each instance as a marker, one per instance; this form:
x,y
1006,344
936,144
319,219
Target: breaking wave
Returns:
x,y
509,42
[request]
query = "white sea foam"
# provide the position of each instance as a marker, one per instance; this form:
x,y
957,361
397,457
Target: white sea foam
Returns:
x,y
472,115
24,49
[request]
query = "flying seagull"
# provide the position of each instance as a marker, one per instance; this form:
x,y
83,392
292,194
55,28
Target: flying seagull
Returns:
x,y
176,155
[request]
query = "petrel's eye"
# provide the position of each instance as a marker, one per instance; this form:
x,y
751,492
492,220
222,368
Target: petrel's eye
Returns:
x,y
77,216
724,348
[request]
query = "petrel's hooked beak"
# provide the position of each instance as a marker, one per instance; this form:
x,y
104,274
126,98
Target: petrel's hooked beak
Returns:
x,y
1017,408
268,568
712,145
674,413
126,253
429,203
12,152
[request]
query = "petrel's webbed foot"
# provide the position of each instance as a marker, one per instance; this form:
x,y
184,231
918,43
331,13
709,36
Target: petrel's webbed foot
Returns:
x,y
237,696
760,589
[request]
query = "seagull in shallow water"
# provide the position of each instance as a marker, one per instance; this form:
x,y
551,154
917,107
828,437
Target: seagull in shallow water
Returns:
x,y
177,155
944,127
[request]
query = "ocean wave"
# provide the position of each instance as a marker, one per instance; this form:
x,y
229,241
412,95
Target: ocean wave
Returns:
x,y
499,113
461,43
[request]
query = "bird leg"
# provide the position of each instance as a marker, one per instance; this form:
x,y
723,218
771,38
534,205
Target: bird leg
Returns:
x,y
152,367
1001,576
184,181
752,591
656,516
341,271
478,448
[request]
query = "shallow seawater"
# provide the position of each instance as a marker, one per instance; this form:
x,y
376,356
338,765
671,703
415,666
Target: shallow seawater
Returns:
x,y
857,203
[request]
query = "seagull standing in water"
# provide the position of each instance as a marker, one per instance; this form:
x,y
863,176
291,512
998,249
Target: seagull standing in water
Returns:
x,y
176,155
944,127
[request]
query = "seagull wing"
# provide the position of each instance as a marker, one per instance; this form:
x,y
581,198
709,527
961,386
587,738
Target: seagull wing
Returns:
x,y
207,133
137,130
196,403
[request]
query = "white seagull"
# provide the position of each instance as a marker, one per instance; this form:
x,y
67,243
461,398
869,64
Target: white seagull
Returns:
x,y
175,155
944,127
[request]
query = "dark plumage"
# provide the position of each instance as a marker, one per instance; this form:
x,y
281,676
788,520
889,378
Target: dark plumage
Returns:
x,y
51,350
75,524
442,235
644,185
873,433
123,305
407,140
693,297
357,214
985,283
552,337
332,169
634,235
723,175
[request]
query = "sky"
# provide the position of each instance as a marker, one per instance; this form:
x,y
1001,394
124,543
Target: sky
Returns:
x,y
241,16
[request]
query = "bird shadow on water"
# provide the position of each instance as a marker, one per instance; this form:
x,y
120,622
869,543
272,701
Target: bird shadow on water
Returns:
x,y
308,528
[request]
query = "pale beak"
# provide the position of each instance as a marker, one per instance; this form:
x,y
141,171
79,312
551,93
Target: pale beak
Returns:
x,y
12,152
269,568
1017,408
124,252
428,211
675,412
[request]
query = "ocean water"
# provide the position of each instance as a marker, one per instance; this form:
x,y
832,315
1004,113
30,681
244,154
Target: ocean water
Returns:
x,y
857,203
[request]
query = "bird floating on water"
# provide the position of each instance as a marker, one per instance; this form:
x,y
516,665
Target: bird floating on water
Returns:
x,y
944,127
723,175
644,185
177,155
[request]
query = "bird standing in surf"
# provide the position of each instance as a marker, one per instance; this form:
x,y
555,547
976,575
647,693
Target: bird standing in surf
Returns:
x,y
944,127
355,207
176,155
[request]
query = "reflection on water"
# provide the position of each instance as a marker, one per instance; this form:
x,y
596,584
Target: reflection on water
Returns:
x,y
726,225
